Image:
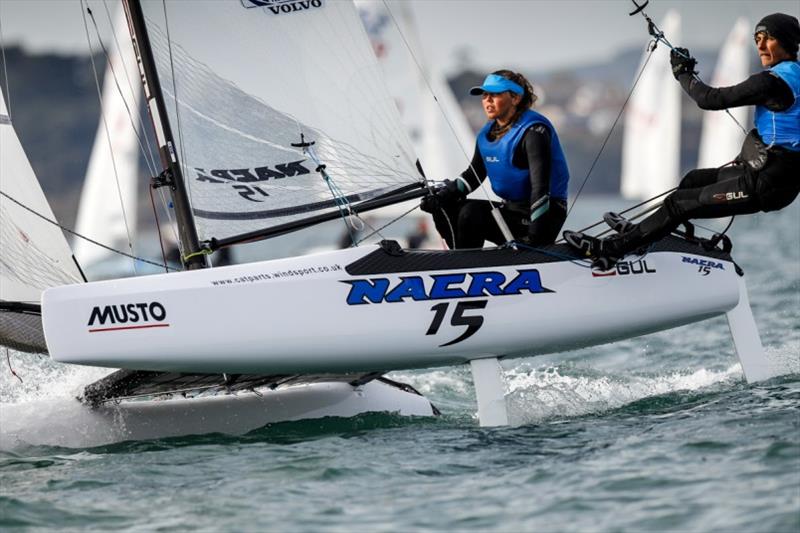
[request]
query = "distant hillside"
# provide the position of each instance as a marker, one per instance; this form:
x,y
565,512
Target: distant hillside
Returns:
x,y
54,108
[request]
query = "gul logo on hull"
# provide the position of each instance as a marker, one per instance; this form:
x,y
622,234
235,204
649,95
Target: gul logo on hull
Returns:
x,y
246,181
281,7
127,316
626,268
443,287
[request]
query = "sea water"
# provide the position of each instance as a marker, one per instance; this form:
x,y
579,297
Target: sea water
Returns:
x,y
657,433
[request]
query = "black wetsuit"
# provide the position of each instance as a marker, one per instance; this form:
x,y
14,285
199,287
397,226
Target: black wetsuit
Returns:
x,y
730,190
472,220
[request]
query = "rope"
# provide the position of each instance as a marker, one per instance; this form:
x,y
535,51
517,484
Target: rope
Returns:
x,y
8,360
71,232
378,230
584,263
196,254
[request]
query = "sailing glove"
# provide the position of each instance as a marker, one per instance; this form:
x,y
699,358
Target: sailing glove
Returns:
x,y
449,193
682,62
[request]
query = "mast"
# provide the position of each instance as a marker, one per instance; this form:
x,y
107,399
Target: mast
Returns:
x,y
172,176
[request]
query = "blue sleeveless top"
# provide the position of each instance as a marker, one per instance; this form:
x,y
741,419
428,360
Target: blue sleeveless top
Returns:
x,y
782,128
512,183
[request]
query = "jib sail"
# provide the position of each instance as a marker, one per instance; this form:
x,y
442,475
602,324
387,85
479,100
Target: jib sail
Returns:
x,y
34,254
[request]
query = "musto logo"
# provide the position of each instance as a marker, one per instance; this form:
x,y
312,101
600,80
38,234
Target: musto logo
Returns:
x,y
127,316
278,7
474,285
247,181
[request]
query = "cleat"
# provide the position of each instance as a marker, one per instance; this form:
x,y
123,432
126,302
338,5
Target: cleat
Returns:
x,y
582,242
604,263
617,222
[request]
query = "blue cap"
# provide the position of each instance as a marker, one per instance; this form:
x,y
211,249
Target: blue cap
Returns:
x,y
495,83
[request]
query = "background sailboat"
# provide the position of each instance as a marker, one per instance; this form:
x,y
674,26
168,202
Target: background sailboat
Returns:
x,y
721,137
439,131
108,206
651,141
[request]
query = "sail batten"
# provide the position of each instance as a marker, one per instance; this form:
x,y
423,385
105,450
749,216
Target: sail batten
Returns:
x,y
237,109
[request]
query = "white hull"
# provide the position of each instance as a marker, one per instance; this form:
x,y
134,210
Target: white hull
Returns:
x,y
261,318
69,423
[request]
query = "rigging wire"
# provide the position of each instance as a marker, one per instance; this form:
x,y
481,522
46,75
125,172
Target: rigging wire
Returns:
x,y
179,131
611,130
76,234
145,146
5,69
658,36
496,213
105,124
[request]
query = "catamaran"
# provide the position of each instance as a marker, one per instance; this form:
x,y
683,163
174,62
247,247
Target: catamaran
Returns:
x,y
276,120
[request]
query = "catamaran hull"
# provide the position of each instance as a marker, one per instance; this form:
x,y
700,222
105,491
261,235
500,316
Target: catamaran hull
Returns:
x,y
374,309
70,423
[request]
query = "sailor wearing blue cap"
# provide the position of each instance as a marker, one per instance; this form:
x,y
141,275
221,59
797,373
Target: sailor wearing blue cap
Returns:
x,y
519,151
765,176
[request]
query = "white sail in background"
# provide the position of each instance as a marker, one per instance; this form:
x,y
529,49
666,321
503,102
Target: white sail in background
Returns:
x,y
283,74
651,142
108,204
722,138
35,255
439,131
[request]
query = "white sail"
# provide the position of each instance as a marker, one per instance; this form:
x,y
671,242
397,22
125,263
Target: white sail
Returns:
x,y
34,254
107,212
722,137
240,110
651,142
439,131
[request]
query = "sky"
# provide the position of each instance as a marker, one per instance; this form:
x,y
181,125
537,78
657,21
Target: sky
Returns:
x,y
522,34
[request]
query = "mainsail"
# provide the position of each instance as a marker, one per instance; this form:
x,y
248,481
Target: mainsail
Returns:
x,y
722,137
239,111
651,143
34,254
108,204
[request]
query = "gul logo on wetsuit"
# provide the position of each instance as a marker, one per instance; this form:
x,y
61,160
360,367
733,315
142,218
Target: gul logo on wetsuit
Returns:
x,y
443,287
127,316
730,196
